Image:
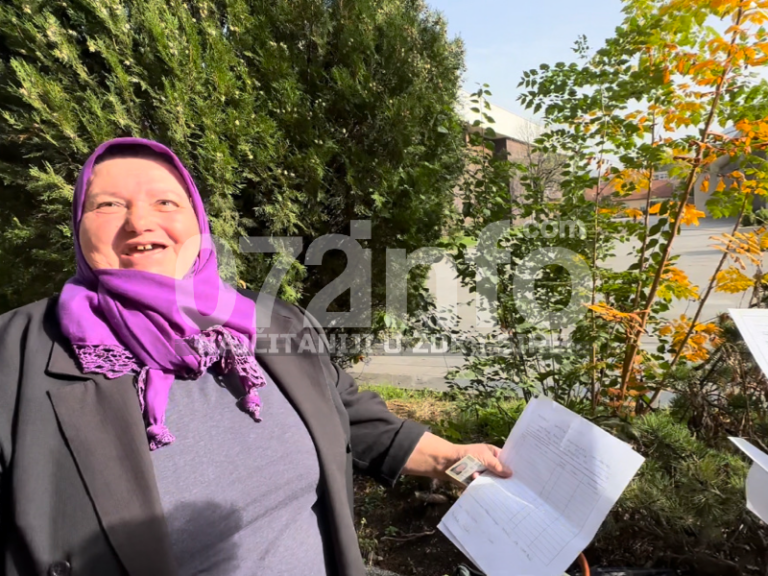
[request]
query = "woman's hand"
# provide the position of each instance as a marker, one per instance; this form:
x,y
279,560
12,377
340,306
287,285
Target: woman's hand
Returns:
x,y
434,455
488,454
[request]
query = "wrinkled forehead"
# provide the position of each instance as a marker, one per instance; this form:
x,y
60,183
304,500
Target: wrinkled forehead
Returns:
x,y
133,177
134,152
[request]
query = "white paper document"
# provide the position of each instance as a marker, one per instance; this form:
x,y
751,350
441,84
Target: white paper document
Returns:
x,y
753,326
567,475
757,479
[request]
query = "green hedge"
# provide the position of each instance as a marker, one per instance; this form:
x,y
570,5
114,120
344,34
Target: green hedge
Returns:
x,y
295,116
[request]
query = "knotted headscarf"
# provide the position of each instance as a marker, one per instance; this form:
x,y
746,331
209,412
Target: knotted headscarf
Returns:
x,y
158,327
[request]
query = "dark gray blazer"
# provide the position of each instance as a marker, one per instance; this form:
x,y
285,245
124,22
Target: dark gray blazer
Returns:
x,y
77,489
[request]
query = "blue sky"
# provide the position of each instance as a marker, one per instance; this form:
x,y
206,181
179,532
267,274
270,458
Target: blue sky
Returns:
x,y
505,37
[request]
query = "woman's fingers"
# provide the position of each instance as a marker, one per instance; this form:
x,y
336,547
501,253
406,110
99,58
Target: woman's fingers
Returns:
x,y
487,454
493,464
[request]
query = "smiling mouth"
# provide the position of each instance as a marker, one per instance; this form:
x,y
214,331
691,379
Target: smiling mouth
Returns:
x,y
141,249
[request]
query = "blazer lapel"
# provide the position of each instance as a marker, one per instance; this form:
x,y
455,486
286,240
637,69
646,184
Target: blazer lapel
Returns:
x,y
104,429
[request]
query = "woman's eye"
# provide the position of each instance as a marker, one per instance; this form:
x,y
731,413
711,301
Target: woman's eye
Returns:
x,y
108,206
167,204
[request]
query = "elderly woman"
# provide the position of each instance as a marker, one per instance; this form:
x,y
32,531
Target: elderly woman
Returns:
x,y
143,433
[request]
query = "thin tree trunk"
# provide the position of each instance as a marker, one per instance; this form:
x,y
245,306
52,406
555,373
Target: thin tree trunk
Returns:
x,y
596,214
634,343
646,221
702,302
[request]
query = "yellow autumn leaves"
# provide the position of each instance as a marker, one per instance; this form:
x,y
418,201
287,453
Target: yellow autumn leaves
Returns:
x,y
702,338
676,284
720,184
628,181
610,314
690,215
738,247
697,345
732,281
741,245
757,130
694,341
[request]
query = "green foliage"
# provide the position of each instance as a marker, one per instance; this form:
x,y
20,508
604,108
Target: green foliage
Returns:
x,y
709,485
295,117
389,392
725,396
685,509
523,354
451,416
755,217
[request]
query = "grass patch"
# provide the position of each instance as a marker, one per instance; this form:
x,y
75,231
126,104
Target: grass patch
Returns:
x,y
448,417
390,392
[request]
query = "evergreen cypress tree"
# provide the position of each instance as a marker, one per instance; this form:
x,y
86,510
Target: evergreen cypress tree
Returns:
x,y
294,116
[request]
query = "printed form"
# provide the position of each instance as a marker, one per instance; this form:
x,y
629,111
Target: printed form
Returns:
x,y
567,475
757,479
753,326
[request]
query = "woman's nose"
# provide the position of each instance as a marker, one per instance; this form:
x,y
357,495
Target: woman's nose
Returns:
x,y
138,219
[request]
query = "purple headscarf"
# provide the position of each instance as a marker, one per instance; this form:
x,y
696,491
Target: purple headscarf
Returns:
x,y
160,328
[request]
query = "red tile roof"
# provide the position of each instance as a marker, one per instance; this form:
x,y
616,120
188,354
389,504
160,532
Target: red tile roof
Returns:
x,y
660,189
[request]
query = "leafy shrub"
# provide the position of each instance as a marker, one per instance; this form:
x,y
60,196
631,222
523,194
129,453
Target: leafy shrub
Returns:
x,y
685,509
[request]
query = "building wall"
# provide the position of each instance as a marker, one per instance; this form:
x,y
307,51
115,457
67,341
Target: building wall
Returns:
x,y
510,148
638,204
513,149
506,123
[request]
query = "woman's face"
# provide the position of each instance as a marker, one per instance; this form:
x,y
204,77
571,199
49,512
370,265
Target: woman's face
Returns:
x,y
137,215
